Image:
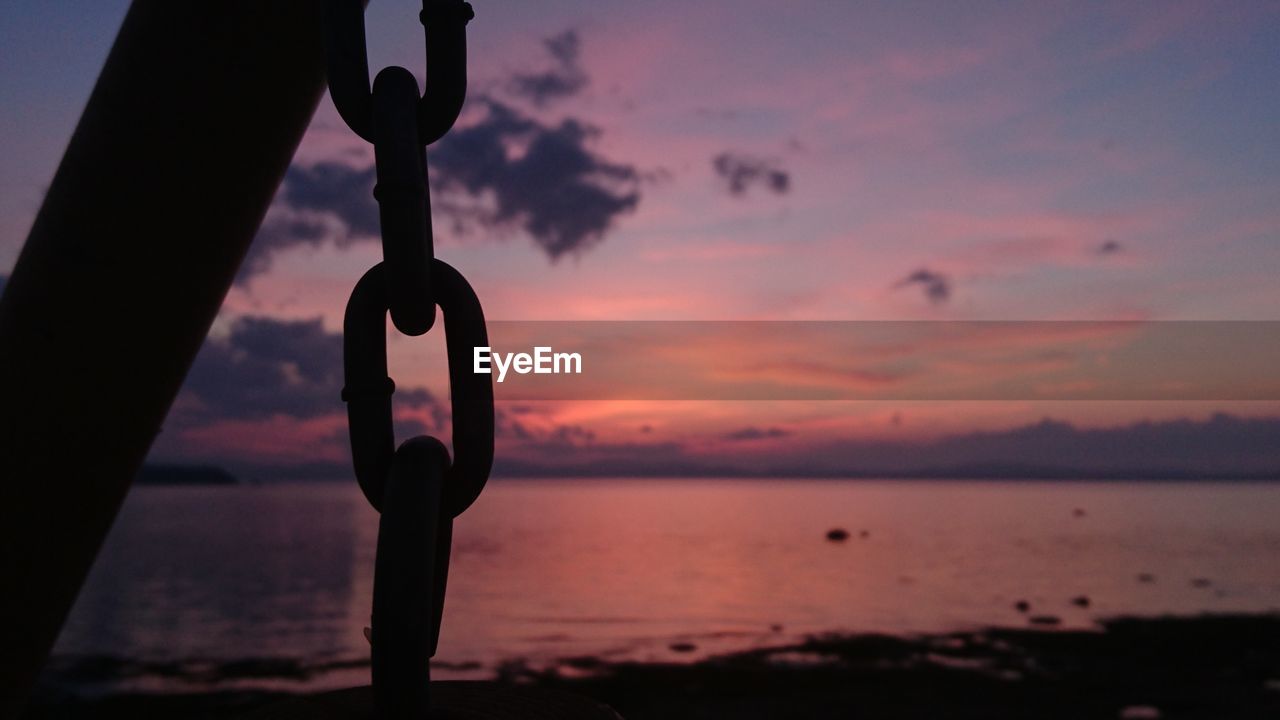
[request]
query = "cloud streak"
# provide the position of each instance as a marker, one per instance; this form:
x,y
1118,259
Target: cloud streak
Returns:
x,y
1221,446
1109,247
329,202
742,172
936,286
507,171
543,179
751,433
266,367
564,80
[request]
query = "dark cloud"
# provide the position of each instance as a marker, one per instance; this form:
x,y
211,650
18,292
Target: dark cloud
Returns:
x,y
555,437
1109,247
1221,446
633,459
742,172
571,436
407,427
266,367
507,424
282,233
755,433
508,171
566,79
329,202
544,179
337,188
937,287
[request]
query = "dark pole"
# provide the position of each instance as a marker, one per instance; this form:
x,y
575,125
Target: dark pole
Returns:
x,y
185,138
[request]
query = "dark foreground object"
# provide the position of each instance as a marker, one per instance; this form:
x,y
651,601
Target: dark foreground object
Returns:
x,y
1210,668
450,701
172,166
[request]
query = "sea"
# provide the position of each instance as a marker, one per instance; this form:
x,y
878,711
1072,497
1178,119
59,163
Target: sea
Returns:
x,y
193,579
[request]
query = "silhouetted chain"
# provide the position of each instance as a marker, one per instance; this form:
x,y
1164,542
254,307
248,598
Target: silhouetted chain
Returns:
x,y
400,124
416,487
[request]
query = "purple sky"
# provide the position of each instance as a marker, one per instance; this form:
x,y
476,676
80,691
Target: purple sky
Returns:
x,y
749,160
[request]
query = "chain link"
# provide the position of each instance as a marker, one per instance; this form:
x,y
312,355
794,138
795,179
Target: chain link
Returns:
x,y
416,487
444,30
400,124
368,389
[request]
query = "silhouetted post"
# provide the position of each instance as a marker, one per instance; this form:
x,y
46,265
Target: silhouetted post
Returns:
x,y
189,130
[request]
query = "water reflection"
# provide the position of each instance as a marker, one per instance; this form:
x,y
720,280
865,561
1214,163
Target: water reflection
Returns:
x,y
225,572
636,568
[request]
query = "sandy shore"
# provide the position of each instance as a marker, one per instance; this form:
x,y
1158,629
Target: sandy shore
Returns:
x,y
1214,667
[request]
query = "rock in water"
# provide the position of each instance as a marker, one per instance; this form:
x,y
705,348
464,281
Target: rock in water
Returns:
x,y
837,535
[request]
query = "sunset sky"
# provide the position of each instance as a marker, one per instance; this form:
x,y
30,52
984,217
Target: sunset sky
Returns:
x,y
744,160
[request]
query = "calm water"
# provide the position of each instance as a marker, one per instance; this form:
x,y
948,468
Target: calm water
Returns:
x,y
624,568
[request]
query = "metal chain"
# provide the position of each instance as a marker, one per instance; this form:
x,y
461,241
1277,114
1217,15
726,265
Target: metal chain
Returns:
x,y
400,124
417,488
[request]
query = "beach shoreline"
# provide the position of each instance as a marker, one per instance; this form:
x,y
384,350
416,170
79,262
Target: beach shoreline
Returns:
x,y
1207,666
